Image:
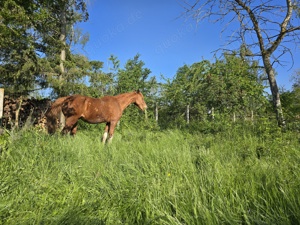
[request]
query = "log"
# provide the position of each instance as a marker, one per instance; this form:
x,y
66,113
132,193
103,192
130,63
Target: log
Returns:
x,y
30,109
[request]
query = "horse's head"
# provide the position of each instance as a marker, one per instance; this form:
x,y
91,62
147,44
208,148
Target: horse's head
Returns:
x,y
139,100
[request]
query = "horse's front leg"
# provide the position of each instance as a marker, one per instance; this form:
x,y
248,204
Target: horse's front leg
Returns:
x,y
104,137
74,129
65,130
71,125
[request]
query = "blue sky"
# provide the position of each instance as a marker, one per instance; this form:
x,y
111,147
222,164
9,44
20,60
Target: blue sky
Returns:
x,y
155,30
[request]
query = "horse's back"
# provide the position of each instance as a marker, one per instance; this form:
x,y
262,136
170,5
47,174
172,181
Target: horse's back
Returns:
x,y
97,110
108,105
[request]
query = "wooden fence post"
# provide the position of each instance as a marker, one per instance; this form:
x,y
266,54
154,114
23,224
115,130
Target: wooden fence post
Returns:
x,y
1,102
212,113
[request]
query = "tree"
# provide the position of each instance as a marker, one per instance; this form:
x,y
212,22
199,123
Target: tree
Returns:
x,y
233,86
113,75
97,79
58,37
227,87
291,99
266,27
134,76
185,92
19,65
35,44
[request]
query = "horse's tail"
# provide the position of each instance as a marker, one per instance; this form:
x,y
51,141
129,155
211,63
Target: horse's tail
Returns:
x,y
53,113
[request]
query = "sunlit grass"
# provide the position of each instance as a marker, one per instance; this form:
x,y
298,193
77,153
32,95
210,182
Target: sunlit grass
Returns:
x,y
162,177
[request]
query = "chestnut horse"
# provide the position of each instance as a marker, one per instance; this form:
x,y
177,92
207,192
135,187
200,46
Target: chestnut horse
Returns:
x,y
107,109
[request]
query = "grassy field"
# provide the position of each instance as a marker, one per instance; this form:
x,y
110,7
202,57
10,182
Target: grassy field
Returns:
x,y
151,177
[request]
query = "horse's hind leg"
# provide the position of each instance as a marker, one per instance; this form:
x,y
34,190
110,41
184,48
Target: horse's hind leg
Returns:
x,y
104,137
71,125
111,131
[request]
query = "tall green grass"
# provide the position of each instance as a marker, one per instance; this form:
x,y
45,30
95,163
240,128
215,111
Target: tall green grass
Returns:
x,y
151,177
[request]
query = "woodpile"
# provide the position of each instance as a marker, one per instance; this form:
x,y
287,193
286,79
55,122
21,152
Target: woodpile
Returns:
x,y
19,112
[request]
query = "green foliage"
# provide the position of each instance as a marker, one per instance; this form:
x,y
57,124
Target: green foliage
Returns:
x,y
4,140
235,85
143,177
133,76
225,88
30,45
99,82
66,72
290,103
18,60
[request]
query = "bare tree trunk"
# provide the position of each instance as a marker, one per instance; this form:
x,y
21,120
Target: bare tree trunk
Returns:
x,y
274,91
188,114
17,115
62,39
156,112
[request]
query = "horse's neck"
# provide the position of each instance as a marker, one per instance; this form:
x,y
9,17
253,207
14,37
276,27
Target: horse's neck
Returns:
x,y
125,100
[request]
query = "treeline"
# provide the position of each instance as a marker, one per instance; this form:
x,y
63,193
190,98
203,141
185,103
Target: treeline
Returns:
x,y
36,54
231,89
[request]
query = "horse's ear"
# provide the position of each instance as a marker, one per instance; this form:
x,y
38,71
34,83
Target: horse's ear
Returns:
x,y
137,91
